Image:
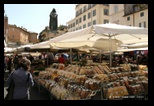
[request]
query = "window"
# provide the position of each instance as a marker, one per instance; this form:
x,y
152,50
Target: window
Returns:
x,y
89,15
80,27
71,25
89,6
13,29
106,4
136,8
84,8
106,21
106,12
94,12
84,17
142,24
141,14
115,9
89,24
80,20
84,26
128,18
76,28
94,22
81,11
33,37
76,13
76,22
93,5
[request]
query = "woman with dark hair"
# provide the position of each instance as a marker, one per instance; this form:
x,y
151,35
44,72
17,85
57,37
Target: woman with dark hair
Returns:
x,y
23,80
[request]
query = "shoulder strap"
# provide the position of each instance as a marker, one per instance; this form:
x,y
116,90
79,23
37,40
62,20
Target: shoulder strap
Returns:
x,y
12,73
28,77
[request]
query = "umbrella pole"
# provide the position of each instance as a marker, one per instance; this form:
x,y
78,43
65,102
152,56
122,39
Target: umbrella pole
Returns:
x,y
47,58
100,56
70,55
110,43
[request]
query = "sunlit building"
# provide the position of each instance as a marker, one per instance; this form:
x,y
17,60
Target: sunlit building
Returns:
x,y
15,36
87,15
129,14
5,28
18,36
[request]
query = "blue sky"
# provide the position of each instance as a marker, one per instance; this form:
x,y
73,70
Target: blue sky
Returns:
x,y
35,17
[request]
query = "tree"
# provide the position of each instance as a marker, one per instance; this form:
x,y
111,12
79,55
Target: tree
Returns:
x,y
61,27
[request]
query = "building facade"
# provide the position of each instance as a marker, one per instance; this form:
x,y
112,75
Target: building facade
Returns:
x,y
129,14
87,15
33,37
5,28
18,36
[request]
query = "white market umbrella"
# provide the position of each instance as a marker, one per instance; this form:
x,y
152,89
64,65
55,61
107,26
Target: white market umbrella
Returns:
x,y
134,49
125,34
119,33
135,45
41,45
8,49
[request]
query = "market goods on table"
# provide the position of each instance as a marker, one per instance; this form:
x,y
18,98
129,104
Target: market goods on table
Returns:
x,y
75,82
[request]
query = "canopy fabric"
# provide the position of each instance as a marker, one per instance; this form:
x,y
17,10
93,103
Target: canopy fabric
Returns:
x,y
121,33
7,49
126,34
135,45
65,36
112,29
101,44
134,49
71,44
74,34
90,37
40,45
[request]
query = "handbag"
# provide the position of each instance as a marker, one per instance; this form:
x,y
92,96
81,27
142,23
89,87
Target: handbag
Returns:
x,y
10,90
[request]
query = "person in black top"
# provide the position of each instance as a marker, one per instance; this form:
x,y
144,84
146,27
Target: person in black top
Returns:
x,y
120,60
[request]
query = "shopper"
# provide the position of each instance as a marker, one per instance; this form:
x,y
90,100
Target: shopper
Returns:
x,y
5,68
50,58
23,80
120,60
61,59
139,58
15,61
5,64
9,64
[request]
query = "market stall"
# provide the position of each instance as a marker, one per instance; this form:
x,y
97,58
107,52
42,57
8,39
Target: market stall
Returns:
x,y
94,82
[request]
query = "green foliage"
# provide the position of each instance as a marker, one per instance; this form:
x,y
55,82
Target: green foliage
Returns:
x,y
61,27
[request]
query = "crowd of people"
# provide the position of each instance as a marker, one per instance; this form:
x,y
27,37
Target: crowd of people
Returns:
x,y
139,59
